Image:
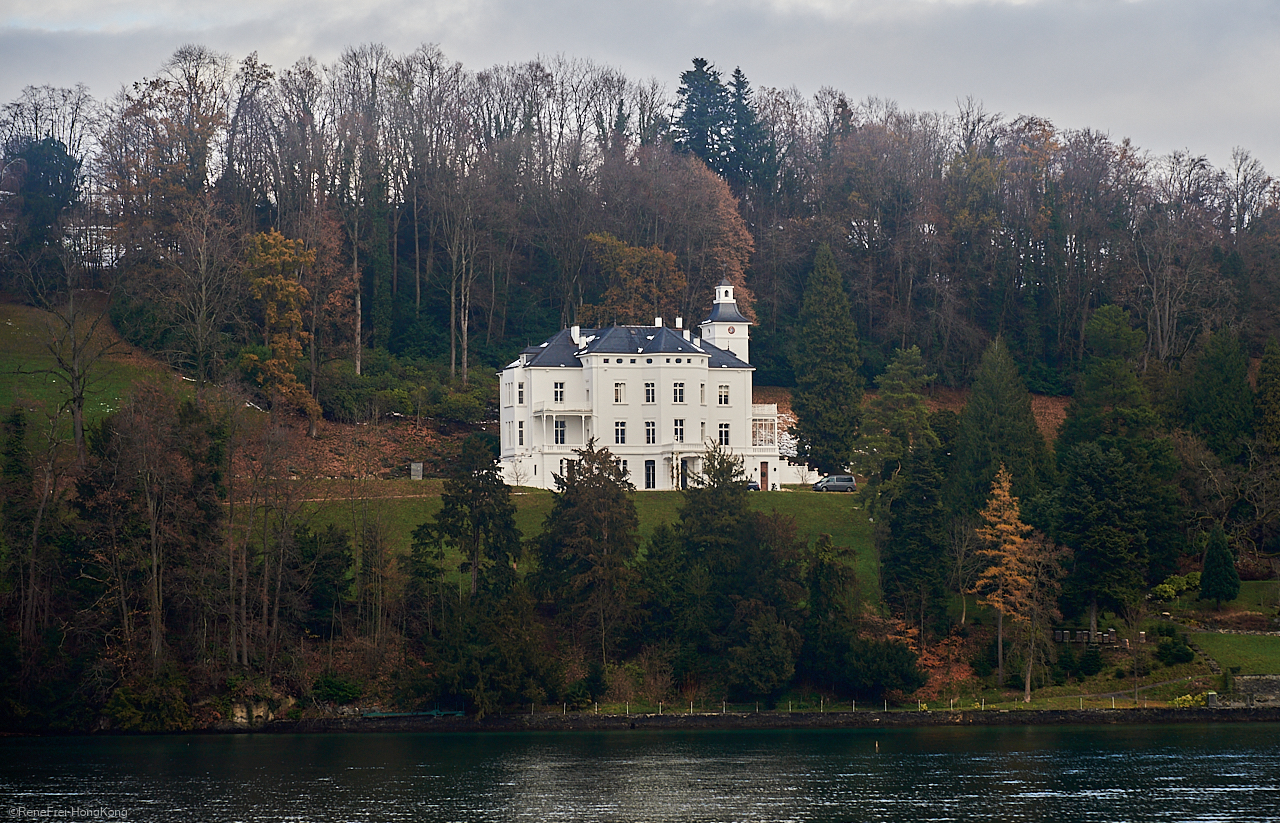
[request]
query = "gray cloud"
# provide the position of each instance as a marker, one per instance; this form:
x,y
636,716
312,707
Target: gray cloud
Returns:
x,y
1169,74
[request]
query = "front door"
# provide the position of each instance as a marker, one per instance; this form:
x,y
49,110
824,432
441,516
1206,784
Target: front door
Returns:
x,y
764,476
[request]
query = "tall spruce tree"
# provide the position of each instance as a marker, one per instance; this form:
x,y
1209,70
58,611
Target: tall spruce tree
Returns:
x,y
1267,402
1219,404
588,546
1219,581
913,552
702,127
828,393
1117,507
477,517
997,428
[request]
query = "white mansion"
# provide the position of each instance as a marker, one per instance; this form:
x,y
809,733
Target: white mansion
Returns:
x,y
655,397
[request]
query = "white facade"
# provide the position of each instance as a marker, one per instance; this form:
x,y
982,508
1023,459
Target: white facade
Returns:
x,y
656,397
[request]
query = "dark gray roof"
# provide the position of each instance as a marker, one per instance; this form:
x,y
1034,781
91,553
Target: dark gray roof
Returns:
x,y
635,341
725,313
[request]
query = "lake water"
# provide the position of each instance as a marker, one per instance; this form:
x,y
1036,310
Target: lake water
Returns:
x,y
1062,774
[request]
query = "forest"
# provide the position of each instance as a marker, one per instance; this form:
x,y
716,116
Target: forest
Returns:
x,y
370,240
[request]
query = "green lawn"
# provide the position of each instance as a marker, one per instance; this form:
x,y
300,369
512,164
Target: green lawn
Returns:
x,y
351,503
1258,595
22,351
1254,654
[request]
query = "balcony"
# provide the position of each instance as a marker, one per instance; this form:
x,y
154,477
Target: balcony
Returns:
x,y
542,407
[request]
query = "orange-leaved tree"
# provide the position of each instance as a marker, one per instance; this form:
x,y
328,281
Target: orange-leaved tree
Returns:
x,y
642,283
275,269
1004,585
1024,577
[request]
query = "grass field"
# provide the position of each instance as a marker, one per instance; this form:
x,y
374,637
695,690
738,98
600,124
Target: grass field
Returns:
x,y
1258,595
400,506
23,356
1254,654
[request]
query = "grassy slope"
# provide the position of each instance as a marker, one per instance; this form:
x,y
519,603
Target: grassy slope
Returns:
x,y
1254,654
402,505
22,349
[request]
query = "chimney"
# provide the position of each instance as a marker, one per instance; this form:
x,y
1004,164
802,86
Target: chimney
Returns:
x,y
575,333
679,322
657,322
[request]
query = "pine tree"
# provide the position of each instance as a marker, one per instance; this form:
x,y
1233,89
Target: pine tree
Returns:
x,y
913,568
702,126
1267,409
896,420
1219,404
746,160
588,545
477,517
1118,506
828,392
997,428
1219,582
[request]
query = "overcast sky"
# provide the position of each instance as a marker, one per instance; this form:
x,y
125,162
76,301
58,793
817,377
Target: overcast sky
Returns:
x,y
1170,74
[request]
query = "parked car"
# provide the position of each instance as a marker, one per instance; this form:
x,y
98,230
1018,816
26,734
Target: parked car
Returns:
x,y
753,486
836,483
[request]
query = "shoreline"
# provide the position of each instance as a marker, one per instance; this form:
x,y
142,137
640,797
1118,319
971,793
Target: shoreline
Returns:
x,y
709,721
769,720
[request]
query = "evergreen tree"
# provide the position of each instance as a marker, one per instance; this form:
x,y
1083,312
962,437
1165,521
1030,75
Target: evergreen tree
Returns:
x,y
1219,582
714,514
1219,404
702,125
1112,436
896,420
828,392
477,517
1099,512
913,568
997,428
1267,411
588,546
746,161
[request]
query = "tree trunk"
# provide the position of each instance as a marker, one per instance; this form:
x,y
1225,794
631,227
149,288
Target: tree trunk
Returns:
x,y
1000,648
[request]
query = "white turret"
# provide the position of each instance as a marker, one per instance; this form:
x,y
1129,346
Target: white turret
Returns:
x,y
726,328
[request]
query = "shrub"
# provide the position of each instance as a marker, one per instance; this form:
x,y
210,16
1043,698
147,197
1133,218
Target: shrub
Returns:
x,y
147,705
1172,651
330,688
1091,661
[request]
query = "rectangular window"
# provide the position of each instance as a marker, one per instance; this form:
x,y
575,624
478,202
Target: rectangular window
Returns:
x,y
650,474
650,393
558,394
724,395
560,430
702,393
724,434
677,393
650,432
520,394
520,433
619,392
679,430
620,433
